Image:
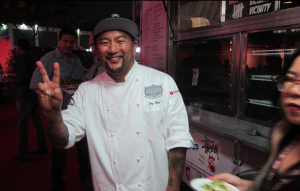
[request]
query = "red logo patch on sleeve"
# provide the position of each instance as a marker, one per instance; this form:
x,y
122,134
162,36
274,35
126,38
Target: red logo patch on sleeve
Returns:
x,y
171,93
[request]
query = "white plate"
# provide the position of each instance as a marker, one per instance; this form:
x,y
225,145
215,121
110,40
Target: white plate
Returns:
x,y
199,182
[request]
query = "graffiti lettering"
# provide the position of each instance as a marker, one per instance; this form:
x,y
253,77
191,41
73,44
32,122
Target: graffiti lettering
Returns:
x,y
210,148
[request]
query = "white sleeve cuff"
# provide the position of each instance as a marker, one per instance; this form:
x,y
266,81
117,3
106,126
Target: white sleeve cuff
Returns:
x,y
180,140
71,141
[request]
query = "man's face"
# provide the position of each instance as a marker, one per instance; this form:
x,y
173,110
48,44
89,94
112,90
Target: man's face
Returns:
x,y
92,45
67,44
115,50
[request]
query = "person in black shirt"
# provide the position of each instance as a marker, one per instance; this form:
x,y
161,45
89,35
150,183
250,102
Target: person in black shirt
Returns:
x,y
2,97
27,102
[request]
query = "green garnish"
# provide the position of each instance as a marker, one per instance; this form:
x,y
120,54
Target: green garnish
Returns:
x,y
217,185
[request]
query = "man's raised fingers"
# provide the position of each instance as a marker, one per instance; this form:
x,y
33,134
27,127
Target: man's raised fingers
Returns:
x,y
56,73
40,91
42,71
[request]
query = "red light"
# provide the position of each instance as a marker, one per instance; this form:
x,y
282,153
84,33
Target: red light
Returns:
x,y
267,46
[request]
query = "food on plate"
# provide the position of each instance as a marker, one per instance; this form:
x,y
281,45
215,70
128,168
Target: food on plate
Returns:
x,y
217,185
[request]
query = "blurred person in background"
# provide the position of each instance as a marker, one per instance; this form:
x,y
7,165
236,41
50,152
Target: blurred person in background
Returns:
x,y
96,68
70,66
27,102
2,96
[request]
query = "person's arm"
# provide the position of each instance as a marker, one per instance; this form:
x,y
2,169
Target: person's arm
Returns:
x,y
178,137
242,185
176,168
50,98
56,129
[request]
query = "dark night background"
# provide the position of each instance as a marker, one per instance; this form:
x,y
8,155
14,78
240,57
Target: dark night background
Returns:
x,y
94,11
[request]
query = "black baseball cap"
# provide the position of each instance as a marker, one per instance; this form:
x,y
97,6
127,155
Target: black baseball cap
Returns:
x,y
116,23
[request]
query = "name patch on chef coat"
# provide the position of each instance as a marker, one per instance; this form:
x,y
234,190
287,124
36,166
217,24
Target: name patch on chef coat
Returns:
x,y
154,91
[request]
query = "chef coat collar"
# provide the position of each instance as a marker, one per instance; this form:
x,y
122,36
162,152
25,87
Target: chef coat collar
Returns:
x,y
131,73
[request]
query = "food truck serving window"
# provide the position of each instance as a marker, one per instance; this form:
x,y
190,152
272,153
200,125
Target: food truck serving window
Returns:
x,y
266,54
204,71
194,14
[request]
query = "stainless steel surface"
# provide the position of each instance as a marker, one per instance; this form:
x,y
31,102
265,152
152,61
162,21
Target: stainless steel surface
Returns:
x,y
277,6
223,11
251,132
232,129
267,103
242,73
273,52
271,78
236,73
235,160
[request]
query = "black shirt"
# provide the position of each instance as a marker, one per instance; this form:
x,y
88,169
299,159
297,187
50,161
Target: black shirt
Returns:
x,y
26,64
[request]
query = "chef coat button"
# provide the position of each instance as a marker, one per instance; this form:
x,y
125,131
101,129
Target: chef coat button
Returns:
x,y
136,80
138,159
138,104
108,109
137,132
112,134
139,184
115,160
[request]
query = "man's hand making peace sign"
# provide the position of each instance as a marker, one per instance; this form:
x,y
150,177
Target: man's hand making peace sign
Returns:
x,y
49,92
50,98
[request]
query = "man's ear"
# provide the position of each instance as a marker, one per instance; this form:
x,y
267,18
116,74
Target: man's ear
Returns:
x,y
134,44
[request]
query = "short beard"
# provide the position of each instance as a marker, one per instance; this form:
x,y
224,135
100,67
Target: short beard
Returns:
x,y
118,70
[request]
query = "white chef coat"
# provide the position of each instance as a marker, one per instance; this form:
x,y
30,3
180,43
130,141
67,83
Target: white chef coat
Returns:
x,y
130,128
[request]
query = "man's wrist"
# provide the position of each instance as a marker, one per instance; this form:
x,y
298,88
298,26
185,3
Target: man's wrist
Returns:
x,y
56,129
53,114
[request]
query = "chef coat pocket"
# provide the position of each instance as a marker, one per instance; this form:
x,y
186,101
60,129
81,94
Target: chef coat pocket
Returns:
x,y
153,110
154,117
155,113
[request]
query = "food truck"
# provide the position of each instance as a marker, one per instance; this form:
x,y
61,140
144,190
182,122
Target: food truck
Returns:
x,y
226,56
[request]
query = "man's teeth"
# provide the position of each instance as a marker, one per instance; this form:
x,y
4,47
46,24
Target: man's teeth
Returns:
x,y
114,58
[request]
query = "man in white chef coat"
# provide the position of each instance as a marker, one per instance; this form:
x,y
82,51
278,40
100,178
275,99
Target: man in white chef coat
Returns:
x,y
133,116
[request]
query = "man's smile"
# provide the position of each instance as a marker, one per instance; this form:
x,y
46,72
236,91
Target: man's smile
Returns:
x,y
114,59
